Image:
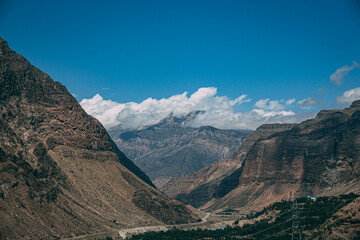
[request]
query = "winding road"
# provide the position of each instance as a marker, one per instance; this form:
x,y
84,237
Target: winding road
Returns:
x,y
124,232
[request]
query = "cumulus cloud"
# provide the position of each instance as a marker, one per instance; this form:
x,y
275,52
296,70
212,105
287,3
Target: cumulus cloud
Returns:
x,y
349,96
219,111
274,105
247,120
338,76
269,105
308,102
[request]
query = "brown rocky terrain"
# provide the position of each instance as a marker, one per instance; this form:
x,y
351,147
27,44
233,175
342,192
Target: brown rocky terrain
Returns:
x,y
320,156
60,173
344,224
200,187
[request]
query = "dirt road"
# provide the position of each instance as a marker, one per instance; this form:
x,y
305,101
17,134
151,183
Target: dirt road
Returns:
x,y
131,231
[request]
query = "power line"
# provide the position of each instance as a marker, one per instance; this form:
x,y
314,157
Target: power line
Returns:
x,y
271,227
256,224
295,228
277,234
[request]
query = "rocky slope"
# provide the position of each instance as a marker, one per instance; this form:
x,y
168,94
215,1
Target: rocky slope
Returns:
x,y
317,157
171,149
60,172
200,187
344,224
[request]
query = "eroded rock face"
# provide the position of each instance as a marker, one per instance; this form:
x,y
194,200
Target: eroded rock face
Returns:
x,y
60,172
317,156
171,149
219,178
314,157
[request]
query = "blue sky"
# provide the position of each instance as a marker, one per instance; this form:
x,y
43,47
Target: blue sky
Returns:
x,y
128,51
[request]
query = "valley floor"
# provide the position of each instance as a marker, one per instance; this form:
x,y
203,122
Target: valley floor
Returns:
x,y
125,233
319,218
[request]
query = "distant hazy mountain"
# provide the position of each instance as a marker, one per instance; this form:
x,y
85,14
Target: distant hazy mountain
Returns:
x,y
171,149
60,172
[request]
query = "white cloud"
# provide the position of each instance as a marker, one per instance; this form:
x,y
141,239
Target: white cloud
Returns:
x,y
349,96
308,102
228,119
239,100
264,113
290,101
338,76
269,105
262,103
219,111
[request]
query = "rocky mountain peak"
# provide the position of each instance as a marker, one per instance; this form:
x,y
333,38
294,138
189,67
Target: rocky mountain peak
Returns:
x,y
272,126
355,104
170,148
333,113
3,44
4,47
172,119
192,115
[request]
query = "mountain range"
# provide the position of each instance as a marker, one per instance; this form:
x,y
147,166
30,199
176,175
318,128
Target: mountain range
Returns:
x,y
320,156
171,148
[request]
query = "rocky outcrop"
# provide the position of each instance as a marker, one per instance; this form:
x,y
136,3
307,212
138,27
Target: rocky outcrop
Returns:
x,y
318,156
171,149
219,178
60,173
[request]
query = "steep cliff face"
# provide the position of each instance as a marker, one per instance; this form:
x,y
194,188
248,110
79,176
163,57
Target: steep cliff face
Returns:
x,y
318,156
170,149
60,173
219,178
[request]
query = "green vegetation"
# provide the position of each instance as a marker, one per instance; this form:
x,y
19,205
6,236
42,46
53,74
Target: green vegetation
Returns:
x,y
312,215
227,212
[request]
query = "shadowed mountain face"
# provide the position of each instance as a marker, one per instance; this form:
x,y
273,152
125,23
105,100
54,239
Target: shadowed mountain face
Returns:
x,y
60,173
318,156
200,187
170,149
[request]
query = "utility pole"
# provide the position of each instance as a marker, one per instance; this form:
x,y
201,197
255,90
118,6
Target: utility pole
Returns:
x,y
296,229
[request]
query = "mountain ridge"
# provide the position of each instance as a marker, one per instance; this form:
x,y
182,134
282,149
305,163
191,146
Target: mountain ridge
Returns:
x,y
170,148
201,186
61,174
315,157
